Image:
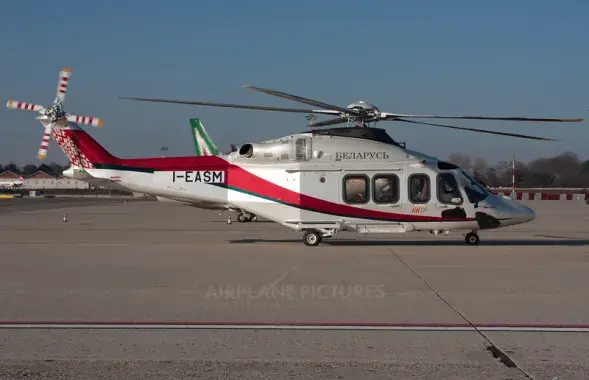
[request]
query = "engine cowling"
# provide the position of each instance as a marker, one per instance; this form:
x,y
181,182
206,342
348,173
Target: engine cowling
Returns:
x,y
266,151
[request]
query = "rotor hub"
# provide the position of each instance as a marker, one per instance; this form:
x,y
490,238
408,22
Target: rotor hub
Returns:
x,y
55,112
366,112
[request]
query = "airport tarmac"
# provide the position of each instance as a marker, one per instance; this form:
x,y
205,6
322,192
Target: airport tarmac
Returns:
x,y
170,291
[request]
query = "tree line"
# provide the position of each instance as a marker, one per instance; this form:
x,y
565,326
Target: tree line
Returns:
x,y
26,170
563,170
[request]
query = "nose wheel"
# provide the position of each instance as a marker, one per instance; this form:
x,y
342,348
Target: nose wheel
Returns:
x,y
471,238
312,238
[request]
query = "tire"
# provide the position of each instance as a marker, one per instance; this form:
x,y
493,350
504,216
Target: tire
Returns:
x,y
471,238
311,238
254,218
241,218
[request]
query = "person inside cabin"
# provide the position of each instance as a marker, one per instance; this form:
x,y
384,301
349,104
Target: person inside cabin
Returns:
x,y
448,189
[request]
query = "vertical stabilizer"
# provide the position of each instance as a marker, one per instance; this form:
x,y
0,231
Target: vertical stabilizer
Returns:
x,y
203,144
80,148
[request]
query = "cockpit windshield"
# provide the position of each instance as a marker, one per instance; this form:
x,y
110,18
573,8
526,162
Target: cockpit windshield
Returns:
x,y
474,191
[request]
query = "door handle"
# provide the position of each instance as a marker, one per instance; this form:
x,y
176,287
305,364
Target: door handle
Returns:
x,y
440,205
395,205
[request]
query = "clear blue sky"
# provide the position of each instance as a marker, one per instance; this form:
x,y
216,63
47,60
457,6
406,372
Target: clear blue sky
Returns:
x,y
527,57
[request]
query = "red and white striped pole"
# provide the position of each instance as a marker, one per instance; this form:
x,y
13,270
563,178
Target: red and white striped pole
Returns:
x,y
513,172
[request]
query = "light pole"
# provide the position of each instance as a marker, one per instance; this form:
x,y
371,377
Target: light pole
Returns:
x,y
513,176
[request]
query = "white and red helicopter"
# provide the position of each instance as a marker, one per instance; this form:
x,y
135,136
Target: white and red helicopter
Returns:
x,y
13,183
320,182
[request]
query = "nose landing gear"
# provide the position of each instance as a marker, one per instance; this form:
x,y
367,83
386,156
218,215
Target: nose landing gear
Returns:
x,y
312,238
472,238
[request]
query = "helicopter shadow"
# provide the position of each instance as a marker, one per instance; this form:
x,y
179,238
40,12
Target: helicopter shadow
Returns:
x,y
572,242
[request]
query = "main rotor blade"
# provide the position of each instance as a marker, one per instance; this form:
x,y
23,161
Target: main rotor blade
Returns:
x,y
339,120
394,116
479,130
226,105
303,100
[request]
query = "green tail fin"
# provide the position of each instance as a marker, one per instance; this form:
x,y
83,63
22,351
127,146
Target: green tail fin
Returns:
x,y
203,144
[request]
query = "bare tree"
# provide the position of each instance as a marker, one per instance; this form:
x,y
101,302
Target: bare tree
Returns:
x,y
479,169
29,169
460,160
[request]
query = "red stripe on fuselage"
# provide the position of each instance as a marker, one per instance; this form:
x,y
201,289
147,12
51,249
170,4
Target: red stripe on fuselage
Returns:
x,y
241,179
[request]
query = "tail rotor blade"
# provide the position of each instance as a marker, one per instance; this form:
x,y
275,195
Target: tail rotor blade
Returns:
x,y
64,77
87,120
18,105
42,153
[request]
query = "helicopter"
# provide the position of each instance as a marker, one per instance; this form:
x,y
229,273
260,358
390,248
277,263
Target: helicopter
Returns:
x,y
324,181
319,182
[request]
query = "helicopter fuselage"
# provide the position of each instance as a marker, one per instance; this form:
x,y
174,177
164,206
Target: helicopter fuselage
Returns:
x,y
325,181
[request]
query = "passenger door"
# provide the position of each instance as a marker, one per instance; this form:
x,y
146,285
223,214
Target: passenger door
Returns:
x,y
449,199
419,192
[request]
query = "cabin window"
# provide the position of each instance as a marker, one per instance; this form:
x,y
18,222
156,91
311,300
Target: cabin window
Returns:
x,y
419,188
448,191
356,189
385,188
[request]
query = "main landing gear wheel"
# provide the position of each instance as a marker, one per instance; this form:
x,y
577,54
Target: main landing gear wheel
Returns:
x,y
312,238
471,238
241,218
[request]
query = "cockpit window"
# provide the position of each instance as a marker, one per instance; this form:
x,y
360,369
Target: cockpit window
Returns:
x,y
448,191
474,191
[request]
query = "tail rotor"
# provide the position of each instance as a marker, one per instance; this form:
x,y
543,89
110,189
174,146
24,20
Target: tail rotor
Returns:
x,y
55,116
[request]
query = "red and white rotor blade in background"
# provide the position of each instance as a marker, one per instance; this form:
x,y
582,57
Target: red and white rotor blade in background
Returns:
x,y
87,120
64,77
42,153
18,105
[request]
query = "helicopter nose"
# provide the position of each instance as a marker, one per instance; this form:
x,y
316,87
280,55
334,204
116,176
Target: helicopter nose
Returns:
x,y
526,214
519,213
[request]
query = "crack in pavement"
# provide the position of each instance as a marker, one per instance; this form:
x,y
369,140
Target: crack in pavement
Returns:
x,y
492,347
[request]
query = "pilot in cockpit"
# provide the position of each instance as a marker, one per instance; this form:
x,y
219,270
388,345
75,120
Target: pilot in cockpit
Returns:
x,y
448,193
